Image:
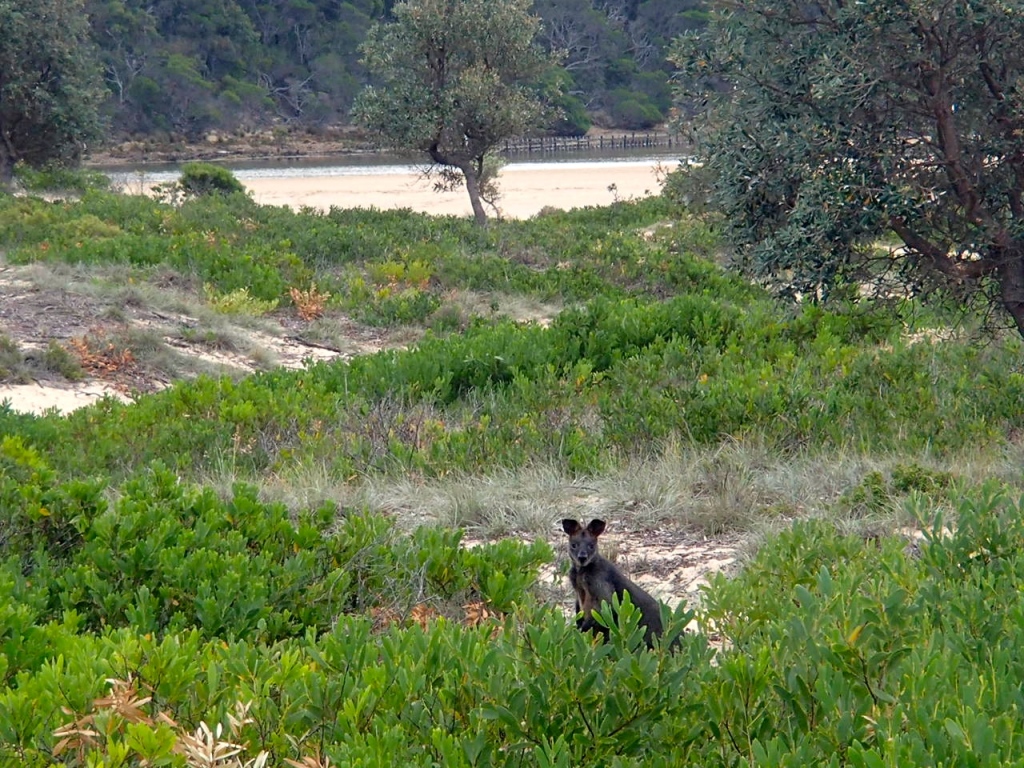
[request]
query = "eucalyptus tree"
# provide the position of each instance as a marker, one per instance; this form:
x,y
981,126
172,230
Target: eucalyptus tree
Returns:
x,y
50,84
829,127
454,80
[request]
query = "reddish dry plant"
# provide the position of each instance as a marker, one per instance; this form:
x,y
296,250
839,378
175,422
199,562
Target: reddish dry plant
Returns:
x,y
311,303
423,614
383,617
99,358
477,613
78,736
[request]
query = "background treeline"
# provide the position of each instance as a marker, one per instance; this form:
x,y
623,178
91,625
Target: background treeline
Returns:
x,y
188,67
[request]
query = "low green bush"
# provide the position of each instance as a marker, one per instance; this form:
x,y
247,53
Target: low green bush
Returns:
x,y
60,179
198,179
165,558
864,650
12,361
238,302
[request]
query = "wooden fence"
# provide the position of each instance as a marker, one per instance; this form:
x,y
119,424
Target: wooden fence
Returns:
x,y
552,144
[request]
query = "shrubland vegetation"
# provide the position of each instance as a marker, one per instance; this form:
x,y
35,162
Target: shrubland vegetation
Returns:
x,y
160,604
169,625
658,346
173,594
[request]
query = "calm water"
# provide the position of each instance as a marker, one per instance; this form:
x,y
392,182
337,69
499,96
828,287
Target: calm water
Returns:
x,y
380,164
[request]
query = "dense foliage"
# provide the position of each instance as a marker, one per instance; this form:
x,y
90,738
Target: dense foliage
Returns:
x,y
170,624
834,125
187,68
50,92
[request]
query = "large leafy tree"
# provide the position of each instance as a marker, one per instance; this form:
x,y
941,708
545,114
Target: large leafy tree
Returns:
x,y
50,85
831,126
455,80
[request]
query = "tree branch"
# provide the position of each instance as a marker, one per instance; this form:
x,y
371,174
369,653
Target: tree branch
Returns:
x,y
938,257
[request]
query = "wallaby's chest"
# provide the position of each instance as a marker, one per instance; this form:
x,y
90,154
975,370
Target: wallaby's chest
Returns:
x,y
592,584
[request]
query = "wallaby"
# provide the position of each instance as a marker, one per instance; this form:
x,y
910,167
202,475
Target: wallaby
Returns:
x,y
595,580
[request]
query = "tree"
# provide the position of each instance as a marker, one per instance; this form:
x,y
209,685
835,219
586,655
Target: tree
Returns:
x,y
830,126
457,78
50,84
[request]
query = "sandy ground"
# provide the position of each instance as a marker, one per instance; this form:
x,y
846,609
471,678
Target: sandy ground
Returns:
x,y
525,188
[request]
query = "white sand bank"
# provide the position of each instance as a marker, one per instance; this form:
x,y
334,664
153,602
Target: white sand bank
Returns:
x,y
525,188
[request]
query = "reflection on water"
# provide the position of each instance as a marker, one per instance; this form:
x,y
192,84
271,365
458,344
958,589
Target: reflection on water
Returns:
x,y
379,165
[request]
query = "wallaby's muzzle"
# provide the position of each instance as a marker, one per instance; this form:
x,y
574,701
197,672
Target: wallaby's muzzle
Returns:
x,y
582,554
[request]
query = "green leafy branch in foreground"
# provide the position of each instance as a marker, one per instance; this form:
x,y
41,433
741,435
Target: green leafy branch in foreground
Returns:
x,y
835,650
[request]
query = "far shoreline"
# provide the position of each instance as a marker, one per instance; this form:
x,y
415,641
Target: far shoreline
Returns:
x,y
331,143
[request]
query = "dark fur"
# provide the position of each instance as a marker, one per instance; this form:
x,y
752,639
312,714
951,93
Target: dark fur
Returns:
x,y
595,579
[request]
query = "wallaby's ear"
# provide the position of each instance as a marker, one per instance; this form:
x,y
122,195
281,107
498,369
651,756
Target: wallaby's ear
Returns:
x,y
596,527
572,527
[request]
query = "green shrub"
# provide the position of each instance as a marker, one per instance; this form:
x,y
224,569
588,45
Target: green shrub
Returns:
x,y
402,307
573,119
57,359
634,110
12,362
199,179
238,302
60,179
168,558
842,645
41,518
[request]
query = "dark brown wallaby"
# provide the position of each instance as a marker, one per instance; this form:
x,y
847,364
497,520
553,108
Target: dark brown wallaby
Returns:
x,y
595,580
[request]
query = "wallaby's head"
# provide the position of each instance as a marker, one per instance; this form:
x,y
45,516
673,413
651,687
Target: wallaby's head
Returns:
x,y
582,541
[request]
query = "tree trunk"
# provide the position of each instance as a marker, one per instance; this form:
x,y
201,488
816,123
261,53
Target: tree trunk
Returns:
x,y
7,159
1011,282
473,187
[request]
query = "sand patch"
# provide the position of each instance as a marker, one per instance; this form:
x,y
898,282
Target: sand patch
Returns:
x,y
38,398
525,188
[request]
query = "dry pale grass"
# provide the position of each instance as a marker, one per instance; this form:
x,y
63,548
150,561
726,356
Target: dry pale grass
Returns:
x,y
524,501
737,487
497,304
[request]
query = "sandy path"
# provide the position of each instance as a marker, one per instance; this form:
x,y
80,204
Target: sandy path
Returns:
x,y
525,188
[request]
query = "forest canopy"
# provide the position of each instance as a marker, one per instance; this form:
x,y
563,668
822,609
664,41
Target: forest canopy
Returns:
x,y
187,67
